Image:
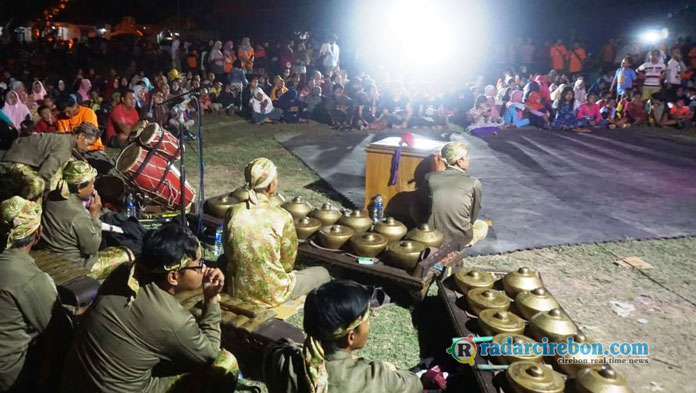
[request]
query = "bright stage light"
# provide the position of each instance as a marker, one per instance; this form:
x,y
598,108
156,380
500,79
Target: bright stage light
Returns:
x,y
653,36
425,37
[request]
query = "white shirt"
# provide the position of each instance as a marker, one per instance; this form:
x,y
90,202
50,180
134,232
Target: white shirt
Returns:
x,y
674,70
256,105
332,51
652,71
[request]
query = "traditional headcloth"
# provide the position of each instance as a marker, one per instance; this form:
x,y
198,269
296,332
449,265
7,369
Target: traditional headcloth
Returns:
x,y
75,173
313,352
138,271
20,218
453,152
259,173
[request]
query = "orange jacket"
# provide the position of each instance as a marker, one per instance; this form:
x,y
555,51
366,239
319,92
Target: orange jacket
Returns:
x,y
84,115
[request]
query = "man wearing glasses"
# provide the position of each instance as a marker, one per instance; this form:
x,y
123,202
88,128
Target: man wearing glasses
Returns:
x,y
137,329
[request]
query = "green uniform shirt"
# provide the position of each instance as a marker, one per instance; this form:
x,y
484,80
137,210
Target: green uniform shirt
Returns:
x,y
260,247
284,372
27,297
455,201
69,230
120,343
46,153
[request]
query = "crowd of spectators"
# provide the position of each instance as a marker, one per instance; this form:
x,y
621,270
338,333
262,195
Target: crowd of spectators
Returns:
x,y
302,79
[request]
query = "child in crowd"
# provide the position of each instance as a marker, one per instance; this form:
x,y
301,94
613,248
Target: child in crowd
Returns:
x,y
680,113
589,111
635,109
565,113
95,100
482,117
623,78
538,115
340,109
226,99
47,122
612,116
580,92
514,115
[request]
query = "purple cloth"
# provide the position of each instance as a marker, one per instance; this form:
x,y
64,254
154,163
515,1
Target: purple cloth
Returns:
x,y
485,131
395,167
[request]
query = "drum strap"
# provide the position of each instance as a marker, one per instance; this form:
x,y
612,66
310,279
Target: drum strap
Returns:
x,y
147,159
169,165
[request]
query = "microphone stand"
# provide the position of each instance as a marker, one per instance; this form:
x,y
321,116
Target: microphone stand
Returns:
x,y
182,166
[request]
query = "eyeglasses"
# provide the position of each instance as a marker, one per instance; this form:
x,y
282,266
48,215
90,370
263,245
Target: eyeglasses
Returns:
x,y
199,267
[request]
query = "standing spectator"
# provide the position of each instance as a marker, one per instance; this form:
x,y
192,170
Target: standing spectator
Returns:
x,y
527,53
624,77
654,72
576,58
675,66
329,54
245,53
558,54
608,53
217,60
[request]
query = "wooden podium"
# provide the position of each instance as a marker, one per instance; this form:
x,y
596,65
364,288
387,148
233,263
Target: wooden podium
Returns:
x,y
415,162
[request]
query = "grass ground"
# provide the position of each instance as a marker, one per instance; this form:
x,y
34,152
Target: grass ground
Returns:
x,y
583,278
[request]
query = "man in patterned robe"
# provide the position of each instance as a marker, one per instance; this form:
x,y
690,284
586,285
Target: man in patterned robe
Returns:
x,y
261,245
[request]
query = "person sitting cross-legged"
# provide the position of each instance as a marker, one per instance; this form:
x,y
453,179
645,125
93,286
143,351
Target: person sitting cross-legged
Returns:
x,y
137,336
28,296
261,245
72,228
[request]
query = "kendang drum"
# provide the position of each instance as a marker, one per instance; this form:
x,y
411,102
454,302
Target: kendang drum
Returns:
x,y
167,148
156,177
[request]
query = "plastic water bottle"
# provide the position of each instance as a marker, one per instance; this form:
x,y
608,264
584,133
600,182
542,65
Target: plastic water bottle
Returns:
x,y
217,249
131,209
378,209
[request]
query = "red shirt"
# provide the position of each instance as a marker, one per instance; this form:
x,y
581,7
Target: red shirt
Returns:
x,y
43,127
120,115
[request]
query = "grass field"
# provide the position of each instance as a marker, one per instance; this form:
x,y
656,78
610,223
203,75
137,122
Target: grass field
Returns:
x,y
584,278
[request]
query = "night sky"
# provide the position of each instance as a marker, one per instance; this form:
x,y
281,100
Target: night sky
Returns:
x,y
591,19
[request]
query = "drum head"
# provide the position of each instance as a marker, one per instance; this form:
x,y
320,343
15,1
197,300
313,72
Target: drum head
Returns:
x,y
149,133
111,189
128,157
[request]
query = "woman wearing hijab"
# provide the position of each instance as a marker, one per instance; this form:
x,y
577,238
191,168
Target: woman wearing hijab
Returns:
x,y
15,109
514,115
60,89
217,60
490,92
245,53
580,92
38,92
262,109
83,91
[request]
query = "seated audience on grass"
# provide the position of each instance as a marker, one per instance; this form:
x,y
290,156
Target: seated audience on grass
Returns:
x,y
262,110
261,245
514,114
339,109
589,112
680,113
138,338
28,296
482,116
538,114
15,109
612,116
337,318
121,120
47,122
278,89
565,112
32,166
454,198
294,110
72,229
635,109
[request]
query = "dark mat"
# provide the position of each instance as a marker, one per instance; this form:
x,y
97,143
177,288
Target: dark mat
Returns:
x,y
545,188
